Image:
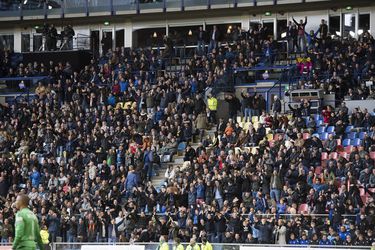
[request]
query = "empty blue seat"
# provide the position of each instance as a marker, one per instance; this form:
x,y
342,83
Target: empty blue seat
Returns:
x,y
319,123
321,129
346,142
352,135
330,129
356,142
181,147
362,135
348,129
324,136
317,117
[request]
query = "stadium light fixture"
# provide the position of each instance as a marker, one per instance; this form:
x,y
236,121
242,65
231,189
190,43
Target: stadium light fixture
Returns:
x,y
190,33
349,7
268,13
106,23
155,35
228,31
360,32
49,7
36,27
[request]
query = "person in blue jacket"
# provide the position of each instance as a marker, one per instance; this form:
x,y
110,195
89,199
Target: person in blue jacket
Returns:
x,y
35,178
293,240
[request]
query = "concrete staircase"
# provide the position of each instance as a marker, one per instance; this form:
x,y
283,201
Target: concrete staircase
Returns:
x,y
159,180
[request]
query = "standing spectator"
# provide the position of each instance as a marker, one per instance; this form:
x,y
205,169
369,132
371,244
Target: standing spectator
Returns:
x,y
276,106
201,41
280,233
301,33
323,29
265,231
6,232
214,38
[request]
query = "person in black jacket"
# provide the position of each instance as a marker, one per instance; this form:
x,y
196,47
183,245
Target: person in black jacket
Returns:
x,y
265,231
220,227
247,105
201,41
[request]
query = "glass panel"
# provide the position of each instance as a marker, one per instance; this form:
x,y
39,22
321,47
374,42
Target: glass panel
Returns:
x,y
34,8
268,28
7,42
348,27
99,5
149,37
74,6
25,42
123,5
150,4
9,8
364,22
37,42
95,42
281,27
120,38
334,25
54,7
173,4
230,3
194,3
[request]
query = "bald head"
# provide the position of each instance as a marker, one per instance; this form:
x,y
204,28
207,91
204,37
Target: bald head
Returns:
x,y
22,201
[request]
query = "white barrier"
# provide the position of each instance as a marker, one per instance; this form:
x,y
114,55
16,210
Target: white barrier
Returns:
x,y
276,247
114,247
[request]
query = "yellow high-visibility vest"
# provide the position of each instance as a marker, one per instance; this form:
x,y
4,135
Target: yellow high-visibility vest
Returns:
x,y
212,103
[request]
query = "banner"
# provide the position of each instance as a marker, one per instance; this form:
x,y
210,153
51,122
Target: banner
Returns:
x,y
112,247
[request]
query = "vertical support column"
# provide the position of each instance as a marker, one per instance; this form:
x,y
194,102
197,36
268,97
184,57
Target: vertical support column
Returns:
x,y
17,40
372,21
113,37
245,22
356,25
128,35
275,28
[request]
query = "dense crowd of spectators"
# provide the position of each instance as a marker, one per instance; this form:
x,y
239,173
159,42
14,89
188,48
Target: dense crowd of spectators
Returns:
x,y
86,148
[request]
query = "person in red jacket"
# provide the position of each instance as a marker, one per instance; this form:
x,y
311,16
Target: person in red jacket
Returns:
x,y
326,114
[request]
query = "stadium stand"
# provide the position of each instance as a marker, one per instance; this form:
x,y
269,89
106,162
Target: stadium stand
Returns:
x,y
127,150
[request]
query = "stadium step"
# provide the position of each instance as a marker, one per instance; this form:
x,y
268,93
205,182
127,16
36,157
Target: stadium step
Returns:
x,y
177,161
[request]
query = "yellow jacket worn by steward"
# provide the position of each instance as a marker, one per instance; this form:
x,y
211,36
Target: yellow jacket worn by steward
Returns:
x,y
163,246
206,246
178,247
212,103
194,247
45,236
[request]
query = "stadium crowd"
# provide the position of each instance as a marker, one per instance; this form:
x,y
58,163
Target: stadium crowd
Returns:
x,y
87,147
